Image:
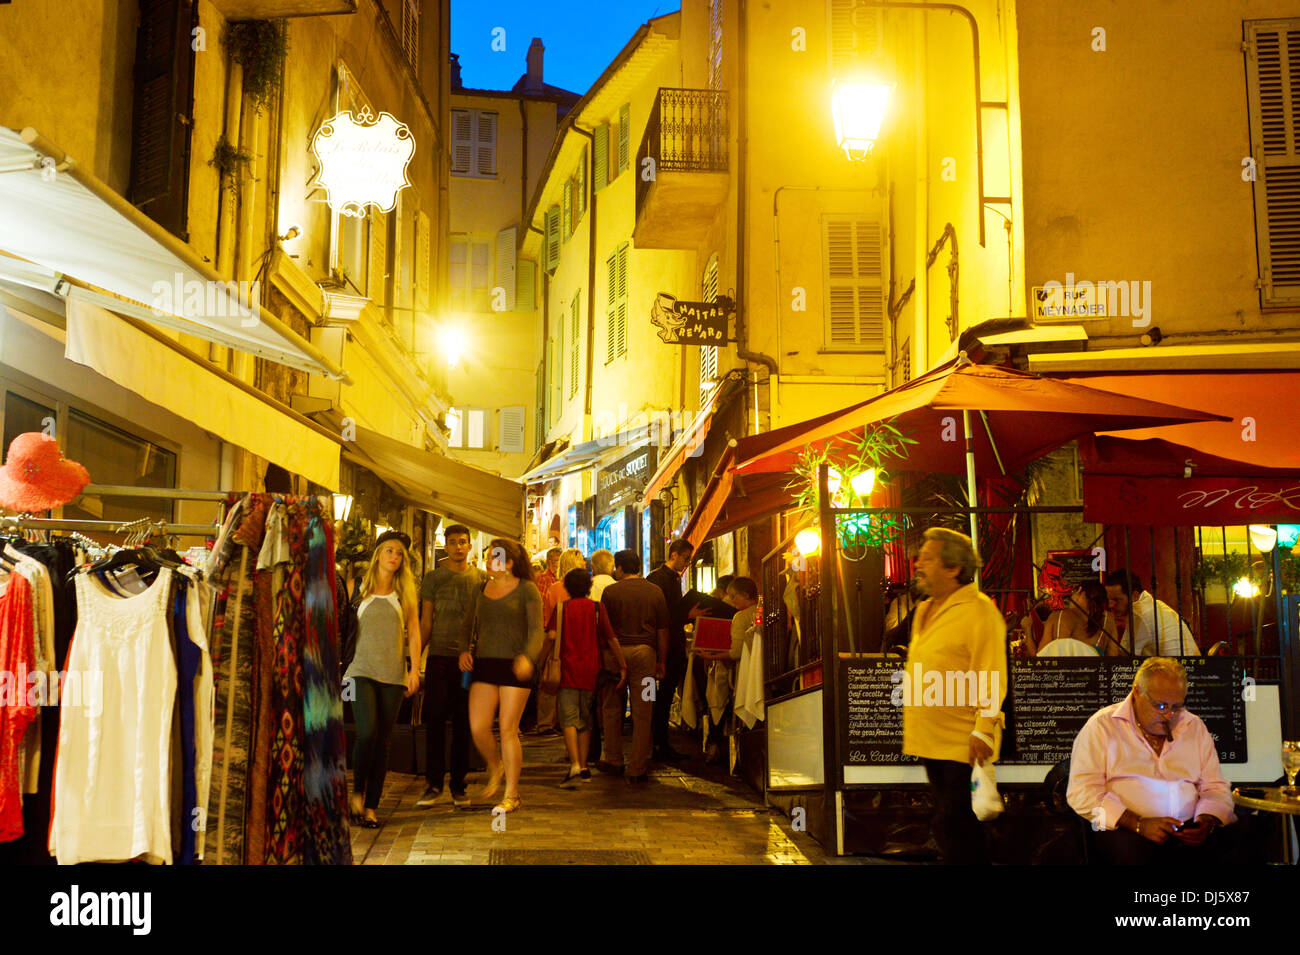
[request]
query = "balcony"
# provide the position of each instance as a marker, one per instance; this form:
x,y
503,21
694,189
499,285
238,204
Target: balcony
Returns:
x,y
686,137
274,9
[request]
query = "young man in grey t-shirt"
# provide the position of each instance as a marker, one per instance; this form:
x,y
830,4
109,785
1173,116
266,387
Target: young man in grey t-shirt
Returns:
x,y
446,595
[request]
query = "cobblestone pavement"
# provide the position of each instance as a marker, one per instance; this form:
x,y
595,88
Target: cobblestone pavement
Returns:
x,y
685,814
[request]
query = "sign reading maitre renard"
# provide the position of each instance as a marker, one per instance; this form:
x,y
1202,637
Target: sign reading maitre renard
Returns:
x,y
362,161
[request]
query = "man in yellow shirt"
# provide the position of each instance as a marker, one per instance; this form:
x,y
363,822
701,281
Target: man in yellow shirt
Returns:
x,y
954,683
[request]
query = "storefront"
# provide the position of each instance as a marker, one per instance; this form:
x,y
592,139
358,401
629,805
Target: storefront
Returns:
x,y
619,524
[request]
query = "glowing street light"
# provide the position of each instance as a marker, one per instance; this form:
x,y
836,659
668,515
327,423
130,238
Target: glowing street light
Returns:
x,y
808,542
453,344
1263,537
1244,587
863,482
858,108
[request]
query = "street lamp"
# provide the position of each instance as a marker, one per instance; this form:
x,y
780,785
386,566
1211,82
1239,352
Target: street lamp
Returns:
x,y
453,344
858,108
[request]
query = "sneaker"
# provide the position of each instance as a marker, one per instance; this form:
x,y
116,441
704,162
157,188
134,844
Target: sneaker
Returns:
x,y
585,775
609,769
431,796
570,781
460,800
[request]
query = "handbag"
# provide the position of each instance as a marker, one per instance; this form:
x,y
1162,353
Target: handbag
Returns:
x,y
549,681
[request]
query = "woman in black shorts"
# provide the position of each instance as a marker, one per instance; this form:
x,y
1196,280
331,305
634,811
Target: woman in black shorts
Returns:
x,y
503,653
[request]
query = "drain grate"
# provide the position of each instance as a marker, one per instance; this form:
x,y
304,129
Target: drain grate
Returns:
x,y
567,857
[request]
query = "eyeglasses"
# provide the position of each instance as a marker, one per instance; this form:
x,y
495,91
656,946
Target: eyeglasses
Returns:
x,y
1165,707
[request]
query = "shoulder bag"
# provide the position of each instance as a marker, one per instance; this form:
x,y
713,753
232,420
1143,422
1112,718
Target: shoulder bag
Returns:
x,y
549,681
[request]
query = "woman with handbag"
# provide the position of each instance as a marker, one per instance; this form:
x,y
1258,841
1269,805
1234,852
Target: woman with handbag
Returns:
x,y
388,627
506,638
571,663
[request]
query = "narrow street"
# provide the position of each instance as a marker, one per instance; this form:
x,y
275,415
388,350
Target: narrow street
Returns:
x,y
686,815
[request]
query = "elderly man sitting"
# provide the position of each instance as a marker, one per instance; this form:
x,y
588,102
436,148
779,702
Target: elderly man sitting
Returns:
x,y
1145,773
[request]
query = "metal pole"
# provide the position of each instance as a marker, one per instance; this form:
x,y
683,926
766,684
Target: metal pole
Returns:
x,y
971,499
830,662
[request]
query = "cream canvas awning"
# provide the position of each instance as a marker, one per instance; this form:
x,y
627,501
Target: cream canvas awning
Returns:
x,y
131,358
87,241
459,493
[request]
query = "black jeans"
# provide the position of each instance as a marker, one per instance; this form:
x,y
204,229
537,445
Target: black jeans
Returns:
x,y
1122,847
375,712
959,834
445,698
674,672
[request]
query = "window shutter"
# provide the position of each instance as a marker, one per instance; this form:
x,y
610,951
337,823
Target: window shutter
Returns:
x,y
456,427
525,280
539,418
506,265
611,307
854,255
552,238
622,299
511,423
567,225
377,285
855,32
163,105
574,345
580,198
462,141
485,141
423,261
709,353
1273,88
601,157
624,136
458,267
480,260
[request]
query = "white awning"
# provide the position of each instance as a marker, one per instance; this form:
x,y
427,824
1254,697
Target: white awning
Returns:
x,y
67,222
459,493
582,456
128,356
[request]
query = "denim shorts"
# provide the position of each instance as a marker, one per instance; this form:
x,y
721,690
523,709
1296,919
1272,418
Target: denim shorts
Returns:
x,y
575,707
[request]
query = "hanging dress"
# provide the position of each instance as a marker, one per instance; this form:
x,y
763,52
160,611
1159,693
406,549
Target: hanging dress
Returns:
x,y
112,779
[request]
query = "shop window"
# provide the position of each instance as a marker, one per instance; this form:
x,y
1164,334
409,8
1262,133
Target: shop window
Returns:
x,y
114,456
1273,95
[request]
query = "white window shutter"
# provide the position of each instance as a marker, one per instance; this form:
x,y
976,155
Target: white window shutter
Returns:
x,y
602,157
511,423
376,288
462,141
505,277
456,427
485,142
525,280
1273,91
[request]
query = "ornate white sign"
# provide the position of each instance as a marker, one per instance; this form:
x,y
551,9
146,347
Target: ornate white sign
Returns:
x,y
362,161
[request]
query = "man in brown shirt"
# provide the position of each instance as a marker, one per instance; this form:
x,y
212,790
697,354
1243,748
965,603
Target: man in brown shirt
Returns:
x,y
639,615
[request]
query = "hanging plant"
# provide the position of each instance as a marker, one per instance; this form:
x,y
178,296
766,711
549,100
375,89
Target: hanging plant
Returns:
x,y
259,47
230,161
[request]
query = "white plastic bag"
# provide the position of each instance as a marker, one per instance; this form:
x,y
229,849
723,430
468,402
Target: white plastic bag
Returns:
x,y
984,797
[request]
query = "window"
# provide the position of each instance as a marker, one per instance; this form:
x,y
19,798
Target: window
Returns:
x,y
1273,91
709,353
468,427
411,32
855,32
624,136
115,456
616,304
575,342
474,143
469,261
23,415
853,253
353,236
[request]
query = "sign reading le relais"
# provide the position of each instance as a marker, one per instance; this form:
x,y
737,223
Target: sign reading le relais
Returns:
x,y
623,481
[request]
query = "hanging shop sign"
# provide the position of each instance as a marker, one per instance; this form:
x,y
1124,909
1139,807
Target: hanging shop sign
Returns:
x,y
362,161
625,480
691,323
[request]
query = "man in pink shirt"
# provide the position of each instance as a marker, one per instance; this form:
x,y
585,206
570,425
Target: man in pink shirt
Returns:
x,y
1145,773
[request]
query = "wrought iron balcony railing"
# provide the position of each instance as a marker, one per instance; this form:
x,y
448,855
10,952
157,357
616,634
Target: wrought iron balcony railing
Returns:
x,y
687,132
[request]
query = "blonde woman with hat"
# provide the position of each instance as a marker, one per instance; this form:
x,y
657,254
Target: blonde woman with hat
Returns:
x,y
388,629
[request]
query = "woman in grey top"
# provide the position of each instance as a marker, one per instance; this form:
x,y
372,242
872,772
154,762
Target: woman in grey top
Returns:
x,y
388,627
503,652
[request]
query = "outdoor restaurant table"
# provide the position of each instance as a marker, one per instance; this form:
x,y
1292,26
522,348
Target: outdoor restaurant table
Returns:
x,y
1272,799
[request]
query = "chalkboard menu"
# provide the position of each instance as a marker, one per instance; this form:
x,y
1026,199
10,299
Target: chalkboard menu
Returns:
x,y
1050,700
1076,565
1052,697
871,725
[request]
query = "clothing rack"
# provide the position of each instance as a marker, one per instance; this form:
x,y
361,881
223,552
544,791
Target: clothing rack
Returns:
x,y
109,527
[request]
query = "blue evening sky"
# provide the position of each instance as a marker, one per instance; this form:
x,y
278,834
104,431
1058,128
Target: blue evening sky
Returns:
x,y
581,37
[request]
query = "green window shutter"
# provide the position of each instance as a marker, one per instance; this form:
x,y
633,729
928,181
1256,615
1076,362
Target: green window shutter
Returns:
x,y
611,307
602,157
624,136
567,224
552,238
581,181
622,299
505,272
525,280
575,347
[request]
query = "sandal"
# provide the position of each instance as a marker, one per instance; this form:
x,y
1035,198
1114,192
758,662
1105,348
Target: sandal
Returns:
x,y
493,782
509,804
356,804
368,823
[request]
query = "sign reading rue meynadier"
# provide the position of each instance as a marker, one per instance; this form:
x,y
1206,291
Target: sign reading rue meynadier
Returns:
x,y
362,161
691,323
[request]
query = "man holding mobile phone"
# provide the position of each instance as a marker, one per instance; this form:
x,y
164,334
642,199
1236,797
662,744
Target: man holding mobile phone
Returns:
x,y
1145,773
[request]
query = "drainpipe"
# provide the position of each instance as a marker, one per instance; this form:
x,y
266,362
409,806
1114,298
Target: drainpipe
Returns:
x,y
591,276
523,179
742,204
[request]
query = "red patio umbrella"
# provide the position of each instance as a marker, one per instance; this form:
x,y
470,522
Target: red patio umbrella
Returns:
x,y
1017,417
